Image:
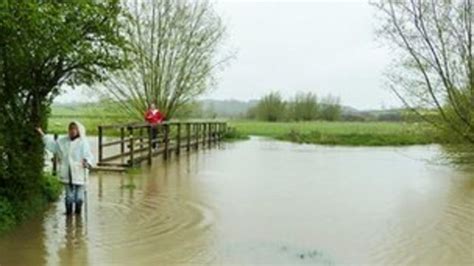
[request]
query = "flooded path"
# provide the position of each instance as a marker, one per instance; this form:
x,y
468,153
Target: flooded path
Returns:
x,y
264,201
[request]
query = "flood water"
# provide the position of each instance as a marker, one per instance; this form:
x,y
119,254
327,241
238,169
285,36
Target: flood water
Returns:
x,y
263,201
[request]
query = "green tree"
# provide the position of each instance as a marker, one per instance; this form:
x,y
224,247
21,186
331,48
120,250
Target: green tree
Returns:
x,y
43,45
174,55
434,64
270,108
330,108
303,107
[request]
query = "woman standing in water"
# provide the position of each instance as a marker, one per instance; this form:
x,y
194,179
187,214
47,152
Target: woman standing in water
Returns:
x,y
75,160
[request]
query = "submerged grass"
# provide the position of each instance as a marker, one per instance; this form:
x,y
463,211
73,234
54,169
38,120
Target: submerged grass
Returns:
x,y
341,133
232,134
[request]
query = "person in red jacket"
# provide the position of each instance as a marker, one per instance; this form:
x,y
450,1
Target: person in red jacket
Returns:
x,y
154,117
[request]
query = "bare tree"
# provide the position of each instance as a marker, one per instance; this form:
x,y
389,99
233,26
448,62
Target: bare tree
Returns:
x,y
433,41
174,55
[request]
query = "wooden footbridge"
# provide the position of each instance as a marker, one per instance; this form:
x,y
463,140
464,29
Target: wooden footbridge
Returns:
x,y
127,145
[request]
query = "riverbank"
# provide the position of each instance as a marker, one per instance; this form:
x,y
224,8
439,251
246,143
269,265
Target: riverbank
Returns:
x,y
314,132
340,133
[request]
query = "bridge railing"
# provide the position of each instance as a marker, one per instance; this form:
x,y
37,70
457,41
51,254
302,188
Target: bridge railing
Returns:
x,y
126,145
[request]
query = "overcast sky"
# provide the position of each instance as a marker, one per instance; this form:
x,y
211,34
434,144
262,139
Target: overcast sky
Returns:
x,y
320,46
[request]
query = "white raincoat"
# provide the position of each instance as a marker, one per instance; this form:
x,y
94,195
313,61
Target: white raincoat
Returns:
x,y
70,155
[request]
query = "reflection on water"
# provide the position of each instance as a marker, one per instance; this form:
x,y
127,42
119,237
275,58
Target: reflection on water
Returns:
x,y
263,201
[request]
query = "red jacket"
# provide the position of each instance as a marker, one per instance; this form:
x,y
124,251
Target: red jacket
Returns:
x,y
153,116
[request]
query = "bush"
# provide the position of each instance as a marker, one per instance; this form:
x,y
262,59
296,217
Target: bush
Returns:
x,y
233,134
13,212
7,214
51,187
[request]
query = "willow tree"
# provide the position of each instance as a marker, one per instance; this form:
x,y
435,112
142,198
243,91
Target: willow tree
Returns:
x,y
44,45
303,107
330,108
433,72
174,55
271,107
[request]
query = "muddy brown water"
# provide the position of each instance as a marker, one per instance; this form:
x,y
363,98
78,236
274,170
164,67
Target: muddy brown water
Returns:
x,y
264,202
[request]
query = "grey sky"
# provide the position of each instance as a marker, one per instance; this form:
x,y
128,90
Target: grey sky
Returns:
x,y
320,46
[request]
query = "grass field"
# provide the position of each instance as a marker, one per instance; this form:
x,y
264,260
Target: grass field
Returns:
x,y
320,132
58,124
340,133
90,115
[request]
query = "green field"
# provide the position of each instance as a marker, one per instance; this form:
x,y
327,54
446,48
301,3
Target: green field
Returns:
x,y
320,132
58,124
340,133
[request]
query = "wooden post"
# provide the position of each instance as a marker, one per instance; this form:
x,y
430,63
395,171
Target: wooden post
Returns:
x,y
166,140
122,142
206,138
188,136
214,132
54,160
197,128
131,148
100,144
221,131
204,134
178,139
209,134
216,128
141,138
150,145
224,129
